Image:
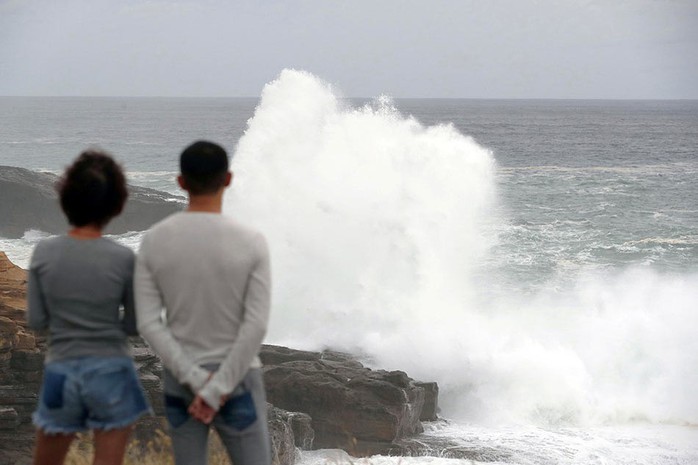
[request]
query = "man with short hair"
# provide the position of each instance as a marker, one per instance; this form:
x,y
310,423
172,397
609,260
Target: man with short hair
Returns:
x,y
211,276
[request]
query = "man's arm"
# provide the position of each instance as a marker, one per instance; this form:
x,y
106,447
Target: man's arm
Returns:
x,y
246,347
128,321
149,307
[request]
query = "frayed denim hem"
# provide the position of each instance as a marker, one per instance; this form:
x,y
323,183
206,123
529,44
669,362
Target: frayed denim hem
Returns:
x,y
119,424
51,429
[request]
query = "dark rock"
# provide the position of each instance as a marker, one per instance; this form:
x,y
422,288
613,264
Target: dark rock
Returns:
x,y
302,426
6,342
283,439
29,201
8,418
352,407
17,396
14,444
27,360
335,358
29,378
431,401
276,355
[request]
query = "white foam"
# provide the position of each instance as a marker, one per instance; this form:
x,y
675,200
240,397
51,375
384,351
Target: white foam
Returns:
x,y
521,445
365,209
165,181
377,226
19,250
681,240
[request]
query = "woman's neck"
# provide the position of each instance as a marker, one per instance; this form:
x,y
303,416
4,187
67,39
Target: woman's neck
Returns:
x,y
89,231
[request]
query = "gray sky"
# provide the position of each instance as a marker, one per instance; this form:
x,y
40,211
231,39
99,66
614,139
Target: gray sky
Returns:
x,y
403,48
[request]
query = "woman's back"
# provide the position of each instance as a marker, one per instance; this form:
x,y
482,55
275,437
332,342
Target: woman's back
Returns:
x,y
77,287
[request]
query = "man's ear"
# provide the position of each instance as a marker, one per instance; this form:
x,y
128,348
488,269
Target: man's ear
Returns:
x,y
182,183
228,179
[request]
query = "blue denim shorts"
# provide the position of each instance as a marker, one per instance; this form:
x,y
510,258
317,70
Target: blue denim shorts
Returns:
x,y
89,393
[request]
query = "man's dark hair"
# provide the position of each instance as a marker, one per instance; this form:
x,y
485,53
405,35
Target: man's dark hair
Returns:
x,y
92,190
204,166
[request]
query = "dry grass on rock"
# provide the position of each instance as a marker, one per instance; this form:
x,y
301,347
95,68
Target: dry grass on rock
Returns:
x,y
157,451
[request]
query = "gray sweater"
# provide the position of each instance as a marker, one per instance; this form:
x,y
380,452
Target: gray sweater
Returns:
x,y
82,292
211,276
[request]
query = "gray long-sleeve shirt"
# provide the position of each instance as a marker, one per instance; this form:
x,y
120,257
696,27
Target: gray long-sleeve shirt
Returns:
x,y
77,290
211,275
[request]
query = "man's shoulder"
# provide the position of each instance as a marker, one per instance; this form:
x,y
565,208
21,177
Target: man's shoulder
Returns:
x,y
165,223
242,230
168,227
203,224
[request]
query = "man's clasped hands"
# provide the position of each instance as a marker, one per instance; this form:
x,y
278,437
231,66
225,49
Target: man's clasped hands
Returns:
x,y
200,410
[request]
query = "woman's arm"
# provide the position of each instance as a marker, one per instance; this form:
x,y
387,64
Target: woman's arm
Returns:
x,y
37,312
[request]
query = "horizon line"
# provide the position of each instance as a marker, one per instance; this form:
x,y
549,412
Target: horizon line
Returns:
x,y
358,98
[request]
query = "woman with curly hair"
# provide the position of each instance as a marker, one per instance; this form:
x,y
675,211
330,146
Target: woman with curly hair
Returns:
x,y
81,290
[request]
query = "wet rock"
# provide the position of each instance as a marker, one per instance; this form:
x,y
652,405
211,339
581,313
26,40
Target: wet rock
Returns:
x,y
353,408
432,446
29,201
289,432
8,418
431,401
27,360
303,433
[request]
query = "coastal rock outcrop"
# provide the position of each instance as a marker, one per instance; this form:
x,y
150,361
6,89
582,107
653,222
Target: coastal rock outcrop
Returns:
x,y
29,201
21,365
362,411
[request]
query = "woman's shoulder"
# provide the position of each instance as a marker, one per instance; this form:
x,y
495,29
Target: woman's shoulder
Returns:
x,y
50,249
48,245
113,247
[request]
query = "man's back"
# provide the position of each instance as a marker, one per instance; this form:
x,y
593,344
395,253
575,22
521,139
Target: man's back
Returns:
x,y
212,276
202,263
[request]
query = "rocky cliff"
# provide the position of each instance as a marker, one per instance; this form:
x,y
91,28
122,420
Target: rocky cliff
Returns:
x,y
320,399
362,411
21,363
29,201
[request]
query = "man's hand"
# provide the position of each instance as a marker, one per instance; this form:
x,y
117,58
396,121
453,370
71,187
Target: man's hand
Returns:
x,y
200,410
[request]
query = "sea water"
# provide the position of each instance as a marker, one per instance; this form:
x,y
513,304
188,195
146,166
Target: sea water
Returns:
x,y
538,259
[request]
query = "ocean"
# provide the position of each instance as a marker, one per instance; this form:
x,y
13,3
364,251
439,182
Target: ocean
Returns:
x,y
538,259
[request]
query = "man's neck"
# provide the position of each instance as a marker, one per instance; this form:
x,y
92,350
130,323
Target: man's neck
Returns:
x,y
205,203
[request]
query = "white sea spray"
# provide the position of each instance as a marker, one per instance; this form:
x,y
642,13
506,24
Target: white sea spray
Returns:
x,y
378,227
